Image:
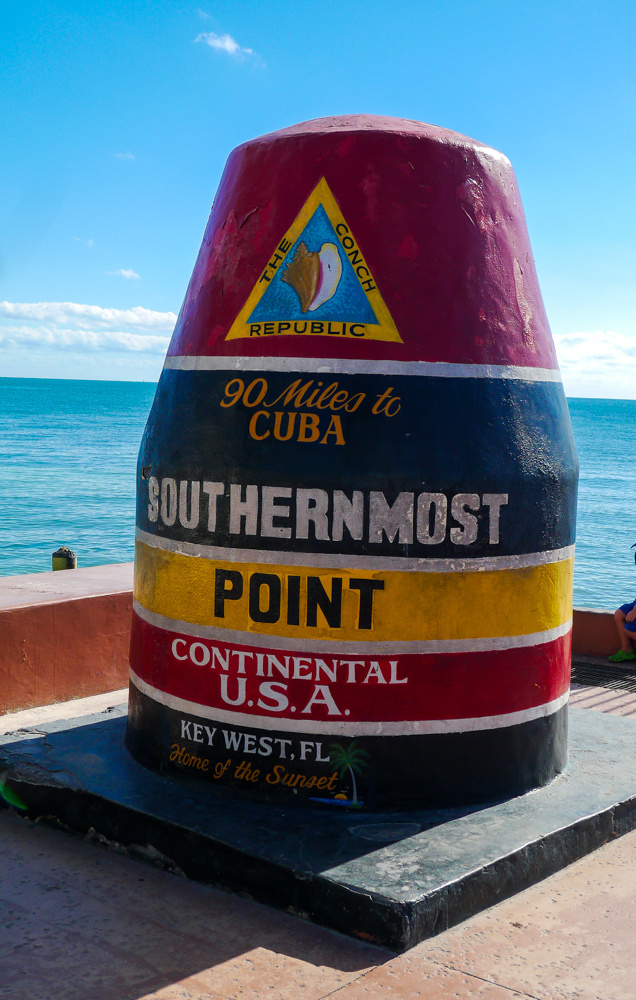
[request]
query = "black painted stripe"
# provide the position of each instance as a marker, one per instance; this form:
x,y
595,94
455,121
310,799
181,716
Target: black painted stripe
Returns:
x,y
401,772
451,436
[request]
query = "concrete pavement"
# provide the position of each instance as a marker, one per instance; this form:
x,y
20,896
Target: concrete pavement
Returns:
x,y
83,923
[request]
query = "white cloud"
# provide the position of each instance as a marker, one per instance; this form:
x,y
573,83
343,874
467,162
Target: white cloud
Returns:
x,y
224,43
73,328
126,272
86,316
124,156
82,341
87,243
600,363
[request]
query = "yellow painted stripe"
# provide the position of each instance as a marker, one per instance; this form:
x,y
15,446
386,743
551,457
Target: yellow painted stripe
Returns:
x,y
411,607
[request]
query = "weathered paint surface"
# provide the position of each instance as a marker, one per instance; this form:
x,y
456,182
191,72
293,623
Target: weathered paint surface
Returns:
x,y
357,485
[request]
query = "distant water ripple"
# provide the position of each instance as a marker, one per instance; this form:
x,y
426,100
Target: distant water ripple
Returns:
x,y
68,452
605,430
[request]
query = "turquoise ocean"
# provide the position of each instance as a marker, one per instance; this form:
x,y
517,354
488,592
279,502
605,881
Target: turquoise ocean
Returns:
x,y
68,452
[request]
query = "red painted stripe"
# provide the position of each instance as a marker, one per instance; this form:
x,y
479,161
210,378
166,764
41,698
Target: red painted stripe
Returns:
x,y
438,219
438,686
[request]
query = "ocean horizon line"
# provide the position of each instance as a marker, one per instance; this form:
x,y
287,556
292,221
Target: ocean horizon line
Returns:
x,y
130,381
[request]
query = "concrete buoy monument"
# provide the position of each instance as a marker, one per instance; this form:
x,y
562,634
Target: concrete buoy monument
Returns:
x,y
357,485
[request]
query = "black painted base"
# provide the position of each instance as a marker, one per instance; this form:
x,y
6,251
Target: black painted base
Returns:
x,y
392,772
389,878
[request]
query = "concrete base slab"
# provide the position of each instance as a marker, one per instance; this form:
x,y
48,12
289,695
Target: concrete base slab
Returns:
x,y
393,879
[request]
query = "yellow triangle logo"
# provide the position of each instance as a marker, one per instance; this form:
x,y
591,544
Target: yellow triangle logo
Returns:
x,y
316,283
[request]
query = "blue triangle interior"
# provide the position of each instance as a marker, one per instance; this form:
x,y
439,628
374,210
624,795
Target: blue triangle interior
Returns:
x,y
348,304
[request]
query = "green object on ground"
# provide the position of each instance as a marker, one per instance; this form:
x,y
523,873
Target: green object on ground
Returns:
x,y
9,796
621,656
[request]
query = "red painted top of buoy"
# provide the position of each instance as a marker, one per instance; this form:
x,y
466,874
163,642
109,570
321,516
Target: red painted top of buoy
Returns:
x,y
437,217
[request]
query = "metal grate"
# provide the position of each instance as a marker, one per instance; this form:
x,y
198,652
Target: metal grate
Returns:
x,y
605,675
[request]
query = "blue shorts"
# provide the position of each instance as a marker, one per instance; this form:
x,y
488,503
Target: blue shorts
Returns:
x,y
626,608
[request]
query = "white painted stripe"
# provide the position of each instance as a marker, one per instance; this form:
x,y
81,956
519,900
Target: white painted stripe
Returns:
x,y
345,366
402,564
338,728
350,648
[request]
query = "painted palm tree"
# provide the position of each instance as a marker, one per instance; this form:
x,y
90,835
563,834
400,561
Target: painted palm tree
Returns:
x,y
352,759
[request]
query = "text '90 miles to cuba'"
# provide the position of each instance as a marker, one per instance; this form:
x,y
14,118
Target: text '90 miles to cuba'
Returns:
x,y
293,420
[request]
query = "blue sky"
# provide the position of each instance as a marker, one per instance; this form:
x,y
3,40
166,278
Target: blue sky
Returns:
x,y
117,117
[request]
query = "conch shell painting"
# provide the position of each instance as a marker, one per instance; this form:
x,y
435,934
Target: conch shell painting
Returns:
x,y
314,275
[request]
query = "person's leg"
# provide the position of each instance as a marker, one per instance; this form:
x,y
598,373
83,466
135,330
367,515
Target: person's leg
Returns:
x,y
623,638
626,638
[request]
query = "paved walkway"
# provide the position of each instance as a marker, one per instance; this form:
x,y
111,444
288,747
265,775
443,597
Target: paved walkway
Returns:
x,y
603,700
82,923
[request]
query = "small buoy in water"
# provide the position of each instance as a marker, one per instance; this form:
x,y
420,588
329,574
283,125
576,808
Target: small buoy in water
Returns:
x,y
64,558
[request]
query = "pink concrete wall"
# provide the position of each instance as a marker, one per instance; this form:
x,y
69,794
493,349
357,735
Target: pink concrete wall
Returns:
x,y
64,635
594,632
